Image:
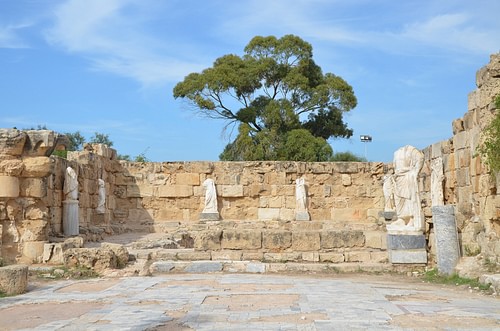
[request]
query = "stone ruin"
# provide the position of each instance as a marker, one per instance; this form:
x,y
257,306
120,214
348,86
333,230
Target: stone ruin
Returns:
x,y
330,213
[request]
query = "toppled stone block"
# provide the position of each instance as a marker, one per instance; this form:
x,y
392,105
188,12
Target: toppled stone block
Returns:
x,y
13,279
97,259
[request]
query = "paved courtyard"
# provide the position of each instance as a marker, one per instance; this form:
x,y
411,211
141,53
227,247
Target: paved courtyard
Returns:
x,y
249,302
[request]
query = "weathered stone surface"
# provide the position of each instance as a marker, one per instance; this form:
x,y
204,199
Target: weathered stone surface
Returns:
x,y
97,259
40,142
445,229
14,279
226,255
33,251
120,252
276,240
204,266
346,238
12,141
39,166
306,241
171,191
208,240
9,187
241,239
401,241
413,256
11,167
331,257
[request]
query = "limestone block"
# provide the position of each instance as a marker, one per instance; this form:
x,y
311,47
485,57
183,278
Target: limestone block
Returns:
x,y
208,240
379,257
35,230
310,256
120,252
193,256
345,167
171,191
492,207
373,239
276,240
200,167
345,238
408,256
331,257
357,256
346,180
11,167
9,187
204,267
33,250
472,102
33,187
13,279
39,166
231,191
98,259
287,214
241,239
226,255
268,213
140,214
12,141
282,257
283,190
351,214
187,179
252,256
306,241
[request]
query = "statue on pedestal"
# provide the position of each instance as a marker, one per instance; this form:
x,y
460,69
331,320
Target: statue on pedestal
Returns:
x,y
401,190
301,213
210,212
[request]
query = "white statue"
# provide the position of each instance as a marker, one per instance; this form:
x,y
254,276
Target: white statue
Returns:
x,y
301,213
402,189
437,177
210,196
300,195
101,202
70,185
70,204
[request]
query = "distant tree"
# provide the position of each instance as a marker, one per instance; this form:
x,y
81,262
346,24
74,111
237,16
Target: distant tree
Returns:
x,y
283,104
101,138
76,141
124,157
347,157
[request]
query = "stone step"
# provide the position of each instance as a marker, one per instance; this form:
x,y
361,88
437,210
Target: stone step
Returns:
x,y
206,266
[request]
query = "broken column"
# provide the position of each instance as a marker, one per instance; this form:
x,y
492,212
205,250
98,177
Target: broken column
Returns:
x,y
70,204
447,246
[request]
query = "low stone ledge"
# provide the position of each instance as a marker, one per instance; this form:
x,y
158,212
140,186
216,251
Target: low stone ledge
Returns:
x,y
14,279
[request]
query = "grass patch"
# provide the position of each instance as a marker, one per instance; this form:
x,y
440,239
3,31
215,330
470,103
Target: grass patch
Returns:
x,y
63,272
433,276
3,294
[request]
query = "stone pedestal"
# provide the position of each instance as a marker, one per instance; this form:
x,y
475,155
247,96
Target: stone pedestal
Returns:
x,y
71,222
407,248
14,279
209,216
302,216
447,245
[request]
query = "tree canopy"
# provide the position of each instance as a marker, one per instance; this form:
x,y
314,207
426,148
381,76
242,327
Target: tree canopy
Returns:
x,y
283,104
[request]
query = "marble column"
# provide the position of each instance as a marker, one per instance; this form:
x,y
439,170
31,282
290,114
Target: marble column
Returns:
x,y
447,245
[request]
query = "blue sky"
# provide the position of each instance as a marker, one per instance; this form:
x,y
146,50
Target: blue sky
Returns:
x,y
110,66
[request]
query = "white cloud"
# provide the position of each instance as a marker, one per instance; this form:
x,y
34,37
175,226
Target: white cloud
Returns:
x,y
113,42
9,37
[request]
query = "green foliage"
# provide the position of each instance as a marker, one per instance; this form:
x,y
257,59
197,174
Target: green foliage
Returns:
x,y
283,104
76,141
433,276
347,157
489,150
101,138
124,157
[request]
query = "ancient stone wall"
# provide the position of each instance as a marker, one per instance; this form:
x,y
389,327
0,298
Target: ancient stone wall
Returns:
x,y
248,191
467,183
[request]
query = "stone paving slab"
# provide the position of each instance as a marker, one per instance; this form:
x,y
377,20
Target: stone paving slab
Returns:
x,y
220,301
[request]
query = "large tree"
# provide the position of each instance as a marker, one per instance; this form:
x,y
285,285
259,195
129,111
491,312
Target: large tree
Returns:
x,y
283,104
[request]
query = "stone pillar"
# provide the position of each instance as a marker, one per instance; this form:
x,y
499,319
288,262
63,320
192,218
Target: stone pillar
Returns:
x,y
71,226
447,245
